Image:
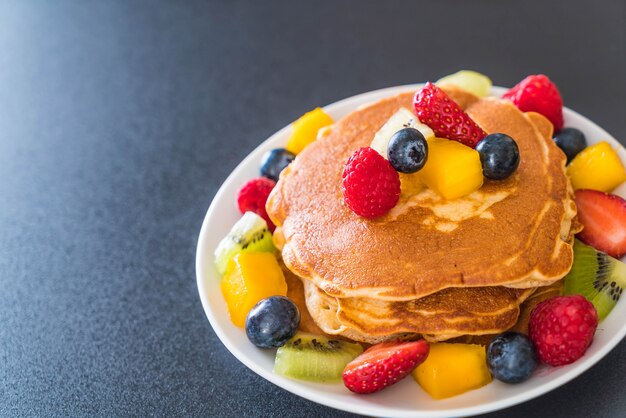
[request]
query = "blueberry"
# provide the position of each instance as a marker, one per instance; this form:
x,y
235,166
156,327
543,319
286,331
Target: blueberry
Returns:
x,y
272,322
275,161
511,357
407,150
499,156
571,141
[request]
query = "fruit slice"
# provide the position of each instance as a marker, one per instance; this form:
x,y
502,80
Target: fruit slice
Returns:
x,y
249,278
403,118
597,167
603,216
249,234
472,81
452,369
305,129
314,357
537,93
452,170
446,118
383,365
597,276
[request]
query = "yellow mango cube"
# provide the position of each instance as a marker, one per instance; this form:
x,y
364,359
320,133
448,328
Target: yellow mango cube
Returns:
x,y
452,170
410,185
306,128
597,167
249,278
452,369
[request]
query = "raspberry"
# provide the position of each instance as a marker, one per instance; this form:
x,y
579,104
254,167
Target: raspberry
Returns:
x,y
537,93
252,197
562,328
371,187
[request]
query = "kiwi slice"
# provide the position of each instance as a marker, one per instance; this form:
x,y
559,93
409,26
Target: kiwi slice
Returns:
x,y
315,358
250,233
597,276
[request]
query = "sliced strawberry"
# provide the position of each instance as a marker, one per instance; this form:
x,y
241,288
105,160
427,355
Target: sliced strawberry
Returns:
x,y
603,216
536,93
383,365
434,108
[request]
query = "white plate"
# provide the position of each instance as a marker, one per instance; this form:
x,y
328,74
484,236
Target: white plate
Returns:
x,y
405,398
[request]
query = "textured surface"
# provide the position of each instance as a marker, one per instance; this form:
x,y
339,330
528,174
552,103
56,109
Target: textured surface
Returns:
x,y
119,121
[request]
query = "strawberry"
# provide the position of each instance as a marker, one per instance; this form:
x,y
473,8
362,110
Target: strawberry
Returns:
x,y
603,216
536,93
383,365
434,108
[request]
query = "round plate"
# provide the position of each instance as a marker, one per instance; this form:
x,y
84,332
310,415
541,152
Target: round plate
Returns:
x,y
405,398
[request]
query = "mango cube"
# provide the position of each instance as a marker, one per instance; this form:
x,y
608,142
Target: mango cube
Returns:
x,y
249,278
306,128
597,167
452,369
452,170
410,185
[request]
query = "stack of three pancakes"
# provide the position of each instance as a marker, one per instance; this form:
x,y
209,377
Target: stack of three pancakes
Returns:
x,y
438,268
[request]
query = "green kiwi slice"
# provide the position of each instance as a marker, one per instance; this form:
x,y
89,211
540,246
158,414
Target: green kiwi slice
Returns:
x,y
315,358
597,276
249,234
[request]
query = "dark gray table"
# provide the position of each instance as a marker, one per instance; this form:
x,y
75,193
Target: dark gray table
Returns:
x,y
120,120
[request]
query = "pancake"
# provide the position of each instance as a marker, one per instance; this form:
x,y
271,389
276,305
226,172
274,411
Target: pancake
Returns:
x,y
443,315
295,292
515,232
540,295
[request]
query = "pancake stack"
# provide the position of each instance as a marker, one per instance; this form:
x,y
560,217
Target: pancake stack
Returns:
x,y
439,268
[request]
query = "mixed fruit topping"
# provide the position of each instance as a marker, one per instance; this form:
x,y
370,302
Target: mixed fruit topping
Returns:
x,y
437,146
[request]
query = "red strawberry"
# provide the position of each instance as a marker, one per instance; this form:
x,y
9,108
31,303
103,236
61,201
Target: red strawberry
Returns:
x,y
434,108
562,328
383,365
536,93
253,196
370,185
603,216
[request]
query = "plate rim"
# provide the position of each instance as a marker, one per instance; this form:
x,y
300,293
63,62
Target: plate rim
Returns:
x,y
377,410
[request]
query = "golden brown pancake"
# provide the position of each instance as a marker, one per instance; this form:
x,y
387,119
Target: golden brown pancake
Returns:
x,y
540,295
295,292
515,232
446,314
